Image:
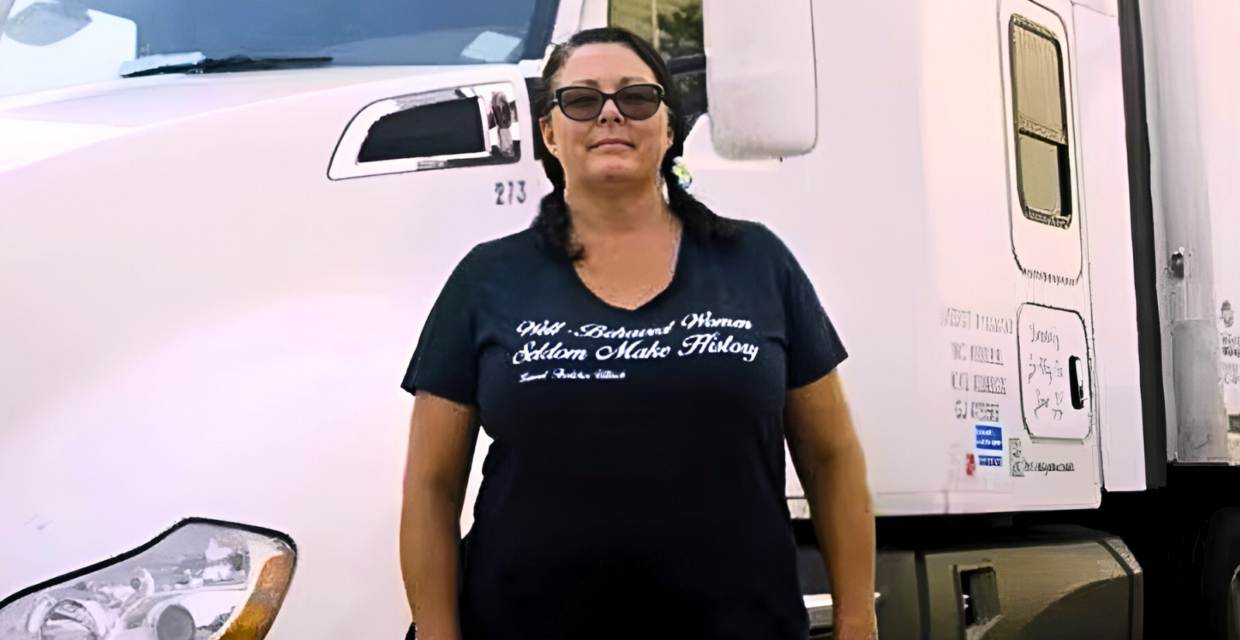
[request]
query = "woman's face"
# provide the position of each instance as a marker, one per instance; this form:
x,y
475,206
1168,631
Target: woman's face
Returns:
x,y
609,149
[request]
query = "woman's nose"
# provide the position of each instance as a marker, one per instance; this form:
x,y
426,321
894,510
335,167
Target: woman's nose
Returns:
x,y
610,111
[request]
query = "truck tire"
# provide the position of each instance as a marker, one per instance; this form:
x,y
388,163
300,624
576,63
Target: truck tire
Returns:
x,y
1219,582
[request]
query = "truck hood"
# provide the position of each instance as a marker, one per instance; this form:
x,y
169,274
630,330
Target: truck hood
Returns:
x,y
44,124
199,322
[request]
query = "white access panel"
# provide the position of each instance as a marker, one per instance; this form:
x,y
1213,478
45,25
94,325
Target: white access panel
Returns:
x,y
1054,373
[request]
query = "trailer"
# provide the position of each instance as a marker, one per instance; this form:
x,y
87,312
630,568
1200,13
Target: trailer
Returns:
x,y
222,225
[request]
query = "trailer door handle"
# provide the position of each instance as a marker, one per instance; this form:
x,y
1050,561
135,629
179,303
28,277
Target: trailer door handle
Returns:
x,y
1078,380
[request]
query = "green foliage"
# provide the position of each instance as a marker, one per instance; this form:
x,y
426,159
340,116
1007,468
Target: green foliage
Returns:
x,y
681,31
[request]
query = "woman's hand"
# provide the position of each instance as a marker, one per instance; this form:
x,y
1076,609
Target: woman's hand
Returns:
x,y
827,455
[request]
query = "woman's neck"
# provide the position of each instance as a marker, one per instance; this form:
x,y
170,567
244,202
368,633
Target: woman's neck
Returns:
x,y
616,211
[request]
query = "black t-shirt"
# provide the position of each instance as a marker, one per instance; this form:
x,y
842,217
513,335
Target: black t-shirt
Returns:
x,y
635,485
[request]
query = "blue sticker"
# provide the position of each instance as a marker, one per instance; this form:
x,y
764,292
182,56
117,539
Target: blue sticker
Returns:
x,y
989,437
990,461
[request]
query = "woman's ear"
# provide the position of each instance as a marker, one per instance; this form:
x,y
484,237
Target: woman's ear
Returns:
x,y
548,134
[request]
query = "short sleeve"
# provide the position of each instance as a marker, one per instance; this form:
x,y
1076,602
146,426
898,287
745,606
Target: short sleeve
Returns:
x,y
814,348
445,360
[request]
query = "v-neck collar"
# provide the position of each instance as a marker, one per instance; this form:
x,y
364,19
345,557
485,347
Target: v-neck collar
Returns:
x,y
677,275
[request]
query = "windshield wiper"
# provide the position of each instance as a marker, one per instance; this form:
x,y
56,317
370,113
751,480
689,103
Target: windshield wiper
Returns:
x,y
233,63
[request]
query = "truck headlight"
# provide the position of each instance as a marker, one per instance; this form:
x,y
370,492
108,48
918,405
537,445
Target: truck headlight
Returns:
x,y
201,579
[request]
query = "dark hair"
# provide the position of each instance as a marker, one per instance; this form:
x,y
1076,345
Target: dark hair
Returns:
x,y
553,223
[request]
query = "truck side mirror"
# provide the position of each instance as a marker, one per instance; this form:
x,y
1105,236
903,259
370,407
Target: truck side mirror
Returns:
x,y
760,78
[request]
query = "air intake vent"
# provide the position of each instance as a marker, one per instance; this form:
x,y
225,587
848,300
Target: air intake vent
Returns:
x,y
440,129
464,126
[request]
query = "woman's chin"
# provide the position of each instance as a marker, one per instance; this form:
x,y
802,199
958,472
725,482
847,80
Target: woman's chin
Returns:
x,y
618,171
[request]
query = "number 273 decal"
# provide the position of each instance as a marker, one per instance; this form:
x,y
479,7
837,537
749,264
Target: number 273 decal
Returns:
x,y
508,192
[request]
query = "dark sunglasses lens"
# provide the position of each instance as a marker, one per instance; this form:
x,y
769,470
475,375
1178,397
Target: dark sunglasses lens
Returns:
x,y
638,102
581,104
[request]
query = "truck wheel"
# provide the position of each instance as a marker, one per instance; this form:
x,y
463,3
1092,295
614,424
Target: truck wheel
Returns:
x,y
1220,582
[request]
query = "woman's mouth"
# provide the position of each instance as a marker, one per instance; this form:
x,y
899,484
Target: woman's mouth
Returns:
x,y
611,144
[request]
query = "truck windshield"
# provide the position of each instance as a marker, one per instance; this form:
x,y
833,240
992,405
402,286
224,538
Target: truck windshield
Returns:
x,y
53,43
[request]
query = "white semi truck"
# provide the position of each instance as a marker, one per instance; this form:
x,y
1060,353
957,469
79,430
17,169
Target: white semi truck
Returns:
x,y
223,223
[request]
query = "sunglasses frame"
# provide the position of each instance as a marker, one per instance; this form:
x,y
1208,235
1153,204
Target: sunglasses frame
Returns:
x,y
607,96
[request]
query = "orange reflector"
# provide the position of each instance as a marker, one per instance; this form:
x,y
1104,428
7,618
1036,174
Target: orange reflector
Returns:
x,y
259,611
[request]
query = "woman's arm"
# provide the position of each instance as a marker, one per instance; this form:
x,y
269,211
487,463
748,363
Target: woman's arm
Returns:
x,y
442,435
828,459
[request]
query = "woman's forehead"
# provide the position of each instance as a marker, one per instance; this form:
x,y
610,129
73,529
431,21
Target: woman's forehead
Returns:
x,y
604,65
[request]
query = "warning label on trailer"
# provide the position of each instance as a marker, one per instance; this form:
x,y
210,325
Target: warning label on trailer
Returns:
x,y
987,463
989,437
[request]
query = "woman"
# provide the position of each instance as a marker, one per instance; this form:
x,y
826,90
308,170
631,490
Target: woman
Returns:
x,y
638,361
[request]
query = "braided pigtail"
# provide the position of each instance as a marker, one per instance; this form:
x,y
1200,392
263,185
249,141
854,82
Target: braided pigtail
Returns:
x,y
696,217
553,224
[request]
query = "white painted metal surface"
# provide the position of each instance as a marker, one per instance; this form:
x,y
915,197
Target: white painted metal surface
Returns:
x,y
1104,176
1219,102
901,216
1191,103
201,323
1109,8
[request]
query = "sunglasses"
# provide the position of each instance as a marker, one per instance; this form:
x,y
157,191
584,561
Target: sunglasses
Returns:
x,y
636,101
